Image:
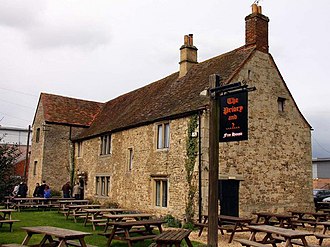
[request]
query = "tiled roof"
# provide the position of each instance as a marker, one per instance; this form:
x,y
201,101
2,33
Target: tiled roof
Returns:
x,y
65,110
167,97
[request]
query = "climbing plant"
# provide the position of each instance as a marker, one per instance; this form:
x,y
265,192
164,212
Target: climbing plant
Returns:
x,y
192,151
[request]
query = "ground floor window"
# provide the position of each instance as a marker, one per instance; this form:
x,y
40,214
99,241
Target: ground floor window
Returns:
x,y
102,185
161,192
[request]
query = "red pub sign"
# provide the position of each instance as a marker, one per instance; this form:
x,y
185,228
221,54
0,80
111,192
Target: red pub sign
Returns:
x,y
234,117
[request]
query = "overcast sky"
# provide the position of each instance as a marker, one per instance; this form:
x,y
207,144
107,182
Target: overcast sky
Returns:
x,y
97,50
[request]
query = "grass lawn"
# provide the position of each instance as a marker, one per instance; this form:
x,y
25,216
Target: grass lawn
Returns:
x,y
53,218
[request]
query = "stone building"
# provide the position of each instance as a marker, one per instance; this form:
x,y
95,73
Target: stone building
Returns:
x,y
148,149
57,120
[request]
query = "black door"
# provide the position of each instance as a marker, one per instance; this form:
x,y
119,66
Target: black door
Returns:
x,y
228,196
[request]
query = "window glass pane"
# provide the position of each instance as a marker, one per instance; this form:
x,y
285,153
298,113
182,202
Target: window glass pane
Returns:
x,y
38,135
160,136
103,186
167,135
35,168
107,186
108,144
164,193
157,193
97,185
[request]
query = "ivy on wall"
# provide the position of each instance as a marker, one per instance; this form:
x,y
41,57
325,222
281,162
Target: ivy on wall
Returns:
x,y
192,152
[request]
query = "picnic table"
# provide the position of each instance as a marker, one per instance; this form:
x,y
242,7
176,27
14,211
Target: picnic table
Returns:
x,y
122,217
226,222
95,215
63,204
77,210
275,233
283,220
6,218
172,237
124,228
28,202
311,218
63,236
323,235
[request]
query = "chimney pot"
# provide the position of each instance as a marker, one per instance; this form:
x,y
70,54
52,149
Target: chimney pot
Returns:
x,y
188,55
254,9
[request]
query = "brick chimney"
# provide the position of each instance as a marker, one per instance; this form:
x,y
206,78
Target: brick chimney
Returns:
x,y
256,29
188,55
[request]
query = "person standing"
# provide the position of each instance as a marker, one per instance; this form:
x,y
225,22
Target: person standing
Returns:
x,y
15,191
47,192
66,188
76,191
41,190
36,190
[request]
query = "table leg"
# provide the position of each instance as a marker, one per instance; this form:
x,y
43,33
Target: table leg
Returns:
x,y
27,238
106,225
113,232
85,222
62,243
82,242
129,242
188,241
233,232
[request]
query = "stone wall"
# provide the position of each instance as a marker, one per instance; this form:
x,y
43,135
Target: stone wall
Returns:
x,y
274,164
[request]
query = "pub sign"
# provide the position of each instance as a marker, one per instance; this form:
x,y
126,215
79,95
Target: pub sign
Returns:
x,y
234,117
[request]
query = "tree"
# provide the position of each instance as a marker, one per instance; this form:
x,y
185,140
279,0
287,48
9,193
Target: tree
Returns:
x,y
8,156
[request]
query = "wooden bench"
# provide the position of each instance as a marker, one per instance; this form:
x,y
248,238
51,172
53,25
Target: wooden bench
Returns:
x,y
10,222
173,237
14,245
248,243
294,241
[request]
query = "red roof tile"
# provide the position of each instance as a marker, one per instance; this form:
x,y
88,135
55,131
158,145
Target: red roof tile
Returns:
x,y
65,110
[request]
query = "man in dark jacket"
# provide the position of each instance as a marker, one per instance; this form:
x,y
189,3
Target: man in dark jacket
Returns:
x,y
41,190
66,188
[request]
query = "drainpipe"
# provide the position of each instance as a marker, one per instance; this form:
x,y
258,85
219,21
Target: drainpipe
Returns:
x,y
199,168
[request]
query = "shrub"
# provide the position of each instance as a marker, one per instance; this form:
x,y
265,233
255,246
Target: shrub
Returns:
x,y
172,222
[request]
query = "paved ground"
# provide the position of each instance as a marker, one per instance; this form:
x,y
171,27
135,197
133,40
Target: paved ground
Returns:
x,y
223,240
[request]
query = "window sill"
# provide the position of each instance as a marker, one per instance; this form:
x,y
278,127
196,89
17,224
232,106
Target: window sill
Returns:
x,y
105,155
162,149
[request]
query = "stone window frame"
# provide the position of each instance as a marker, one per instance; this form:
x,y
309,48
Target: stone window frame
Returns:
x,y
281,104
160,195
106,144
130,157
37,135
102,185
162,144
35,163
79,149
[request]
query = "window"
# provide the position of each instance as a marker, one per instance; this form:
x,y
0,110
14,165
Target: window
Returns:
x,y
281,104
130,159
163,135
35,168
38,135
79,149
102,185
161,192
105,144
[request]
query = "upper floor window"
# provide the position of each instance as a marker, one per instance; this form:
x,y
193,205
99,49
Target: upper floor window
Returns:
x,y
130,159
35,168
79,149
105,144
38,135
280,104
163,135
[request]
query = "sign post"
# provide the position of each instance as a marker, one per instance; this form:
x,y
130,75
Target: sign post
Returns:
x,y
228,121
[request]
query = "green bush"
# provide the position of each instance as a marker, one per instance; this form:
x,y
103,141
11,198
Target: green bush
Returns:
x,y
189,225
172,222
56,193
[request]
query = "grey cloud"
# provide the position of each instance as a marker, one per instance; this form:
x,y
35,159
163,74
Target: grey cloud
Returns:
x,y
20,14
81,36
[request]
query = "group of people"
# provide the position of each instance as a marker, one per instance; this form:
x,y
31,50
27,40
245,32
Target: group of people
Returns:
x,y
67,190
42,190
20,190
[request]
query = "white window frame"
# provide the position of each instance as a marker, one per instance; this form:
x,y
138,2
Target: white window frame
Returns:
x,y
163,135
106,145
160,192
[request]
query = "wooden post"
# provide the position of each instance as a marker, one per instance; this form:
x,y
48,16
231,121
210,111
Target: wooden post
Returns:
x,y
212,236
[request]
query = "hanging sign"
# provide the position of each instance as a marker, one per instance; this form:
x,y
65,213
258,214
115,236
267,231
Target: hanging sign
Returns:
x,y
234,117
